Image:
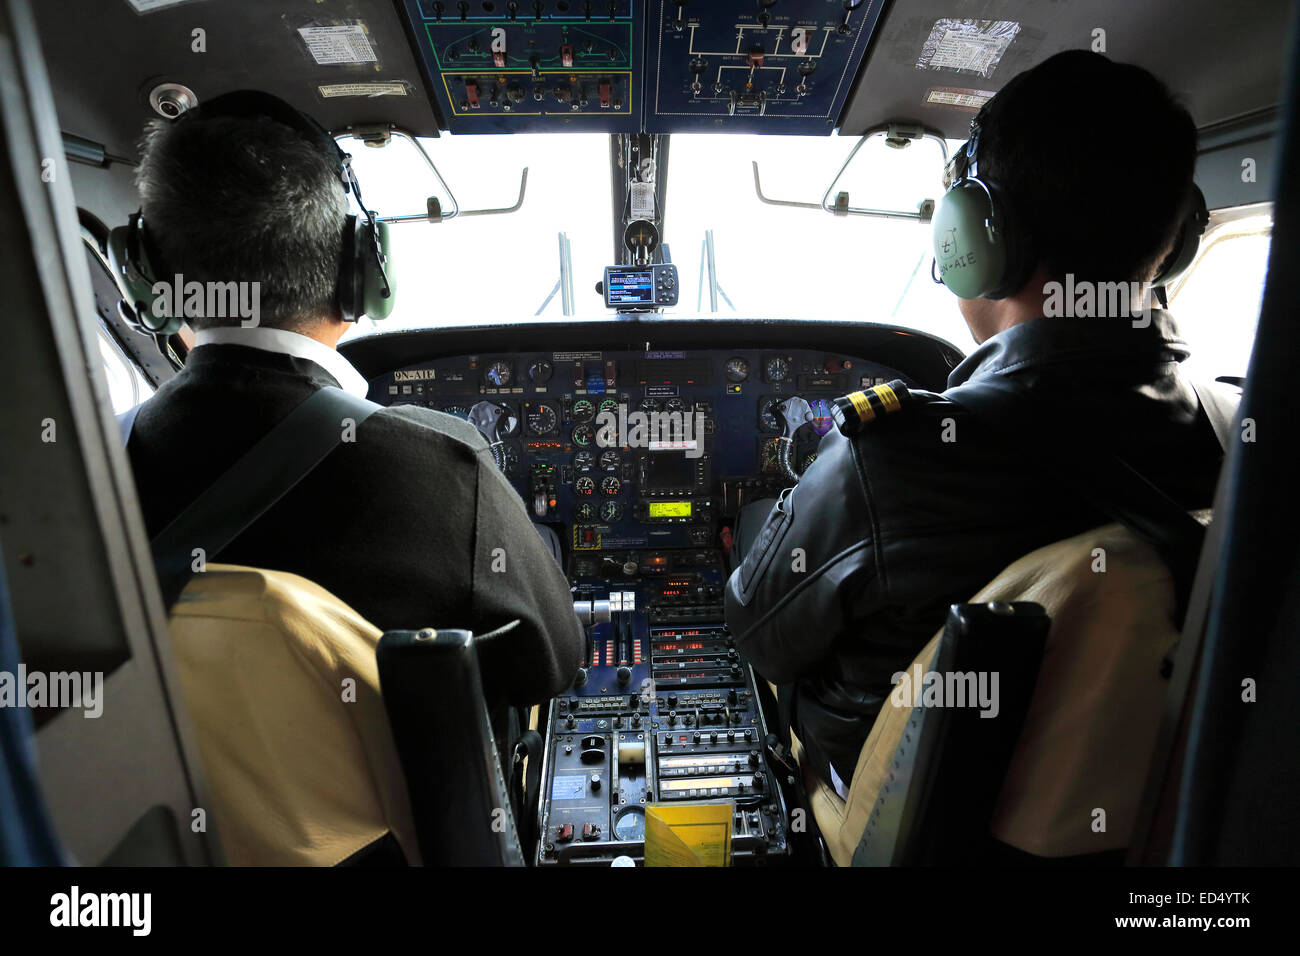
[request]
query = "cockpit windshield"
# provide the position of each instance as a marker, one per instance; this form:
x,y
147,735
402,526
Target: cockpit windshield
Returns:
x,y
769,261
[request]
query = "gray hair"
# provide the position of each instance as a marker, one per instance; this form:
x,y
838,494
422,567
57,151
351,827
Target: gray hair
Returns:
x,y
233,199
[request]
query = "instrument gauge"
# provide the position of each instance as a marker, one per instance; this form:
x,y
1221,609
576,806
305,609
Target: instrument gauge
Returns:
x,y
736,370
776,369
822,421
509,461
675,405
648,405
583,410
629,825
540,372
609,460
806,462
585,512
584,461
460,411
583,435
609,485
610,511
499,374
769,416
542,419
768,461
585,485
609,405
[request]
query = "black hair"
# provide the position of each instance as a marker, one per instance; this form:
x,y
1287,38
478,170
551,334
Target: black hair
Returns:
x,y
1093,161
235,199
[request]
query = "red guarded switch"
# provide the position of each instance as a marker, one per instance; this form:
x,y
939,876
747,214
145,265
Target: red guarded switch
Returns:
x,y
605,94
566,56
471,93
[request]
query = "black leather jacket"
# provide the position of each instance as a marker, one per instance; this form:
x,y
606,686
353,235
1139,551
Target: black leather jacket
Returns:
x,y
856,566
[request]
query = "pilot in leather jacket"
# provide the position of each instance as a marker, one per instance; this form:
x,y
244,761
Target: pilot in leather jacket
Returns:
x,y
856,566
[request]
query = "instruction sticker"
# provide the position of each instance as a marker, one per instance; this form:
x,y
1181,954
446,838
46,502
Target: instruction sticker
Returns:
x,y
363,89
967,46
957,98
333,45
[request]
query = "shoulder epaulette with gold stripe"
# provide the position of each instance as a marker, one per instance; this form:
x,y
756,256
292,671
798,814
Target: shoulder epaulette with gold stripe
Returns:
x,y
854,410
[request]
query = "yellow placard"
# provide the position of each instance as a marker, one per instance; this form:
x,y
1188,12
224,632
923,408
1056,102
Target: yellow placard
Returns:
x,y
688,834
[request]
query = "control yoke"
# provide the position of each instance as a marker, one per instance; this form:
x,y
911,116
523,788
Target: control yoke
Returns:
x,y
795,413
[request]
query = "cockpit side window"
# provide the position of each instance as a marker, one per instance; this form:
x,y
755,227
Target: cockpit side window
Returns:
x,y
1217,302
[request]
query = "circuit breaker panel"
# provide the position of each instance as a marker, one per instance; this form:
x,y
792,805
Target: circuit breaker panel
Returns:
x,y
629,66
756,66
532,65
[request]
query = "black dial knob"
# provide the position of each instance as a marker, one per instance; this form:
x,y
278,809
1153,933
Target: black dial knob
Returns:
x,y
624,674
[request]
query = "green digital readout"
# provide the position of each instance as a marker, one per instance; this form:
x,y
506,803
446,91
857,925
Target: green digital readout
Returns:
x,y
670,509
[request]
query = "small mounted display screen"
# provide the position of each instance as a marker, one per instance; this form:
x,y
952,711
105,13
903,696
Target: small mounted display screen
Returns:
x,y
669,509
666,471
631,287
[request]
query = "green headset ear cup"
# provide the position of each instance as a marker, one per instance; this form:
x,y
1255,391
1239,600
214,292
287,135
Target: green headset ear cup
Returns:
x,y
377,277
972,260
135,282
1187,242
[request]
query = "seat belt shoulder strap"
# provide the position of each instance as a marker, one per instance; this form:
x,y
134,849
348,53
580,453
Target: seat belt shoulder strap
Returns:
x,y
248,489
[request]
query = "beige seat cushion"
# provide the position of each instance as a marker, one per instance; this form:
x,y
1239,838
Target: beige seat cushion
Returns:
x,y
1094,716
282,686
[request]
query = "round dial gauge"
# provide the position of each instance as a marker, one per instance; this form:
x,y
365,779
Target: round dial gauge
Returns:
x,y
509,460
777,369
675,405
499,374
584,435
736,369
583,410
609,485
768,462
610,511
649,405
460,411
585,485
609,405
769,419
542,419
822,421
584,461
806,462
629,825
609,460
540,372
585,512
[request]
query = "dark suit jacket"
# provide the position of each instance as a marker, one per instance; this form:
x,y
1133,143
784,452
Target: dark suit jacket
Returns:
x,y
404,524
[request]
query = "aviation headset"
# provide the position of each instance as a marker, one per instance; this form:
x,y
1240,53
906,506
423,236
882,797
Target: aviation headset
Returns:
x,y
980,252
365,280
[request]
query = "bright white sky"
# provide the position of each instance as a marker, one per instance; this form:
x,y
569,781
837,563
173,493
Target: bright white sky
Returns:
x,y
772,262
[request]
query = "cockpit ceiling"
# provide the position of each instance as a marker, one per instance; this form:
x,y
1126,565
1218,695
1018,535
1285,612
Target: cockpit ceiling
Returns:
x,y
1224,59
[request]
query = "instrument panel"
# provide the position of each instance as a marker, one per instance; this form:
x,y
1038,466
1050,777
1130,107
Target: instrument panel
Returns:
x,y
635,450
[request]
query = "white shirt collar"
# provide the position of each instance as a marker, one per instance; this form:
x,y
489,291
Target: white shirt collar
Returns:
x,y
290,343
